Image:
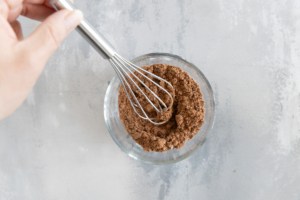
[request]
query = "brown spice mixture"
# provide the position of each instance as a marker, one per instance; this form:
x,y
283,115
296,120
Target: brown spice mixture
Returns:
x,y
185,118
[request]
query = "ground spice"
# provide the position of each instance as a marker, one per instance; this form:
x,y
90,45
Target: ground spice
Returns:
x,y
185,118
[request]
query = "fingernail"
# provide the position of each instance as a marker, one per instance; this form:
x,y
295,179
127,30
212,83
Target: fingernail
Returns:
x,y
73,19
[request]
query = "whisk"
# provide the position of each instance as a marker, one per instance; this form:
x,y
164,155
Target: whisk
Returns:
x,y
135,79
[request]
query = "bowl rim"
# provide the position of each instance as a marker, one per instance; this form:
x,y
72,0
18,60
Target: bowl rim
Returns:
x,y
187,154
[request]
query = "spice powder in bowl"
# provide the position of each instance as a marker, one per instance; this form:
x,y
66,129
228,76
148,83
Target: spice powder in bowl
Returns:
x,y
185,120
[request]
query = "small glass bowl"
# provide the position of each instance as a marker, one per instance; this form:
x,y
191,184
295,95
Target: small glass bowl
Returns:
x,y
125,141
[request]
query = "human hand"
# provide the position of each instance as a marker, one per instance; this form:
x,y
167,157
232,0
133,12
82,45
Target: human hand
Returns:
x,y
22,60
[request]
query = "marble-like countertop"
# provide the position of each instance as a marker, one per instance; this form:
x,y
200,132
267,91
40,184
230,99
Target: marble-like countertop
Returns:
x,y
56,146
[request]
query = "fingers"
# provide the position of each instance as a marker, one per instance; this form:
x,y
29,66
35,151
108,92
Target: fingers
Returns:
x,y
10,9
4,9
47,37
16,26
35,11
13,3
6,31
14,13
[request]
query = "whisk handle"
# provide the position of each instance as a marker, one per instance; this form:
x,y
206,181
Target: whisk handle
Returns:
x,y
87,31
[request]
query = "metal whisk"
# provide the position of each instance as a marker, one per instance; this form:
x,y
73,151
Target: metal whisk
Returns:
x,y
133,78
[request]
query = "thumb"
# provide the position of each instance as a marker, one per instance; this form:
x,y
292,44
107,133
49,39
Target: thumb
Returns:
x,y
49,34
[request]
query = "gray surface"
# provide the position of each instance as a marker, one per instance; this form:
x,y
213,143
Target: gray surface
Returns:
x,y
56,147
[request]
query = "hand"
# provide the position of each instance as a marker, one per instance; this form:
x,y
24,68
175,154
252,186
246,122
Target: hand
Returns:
x,y
22,60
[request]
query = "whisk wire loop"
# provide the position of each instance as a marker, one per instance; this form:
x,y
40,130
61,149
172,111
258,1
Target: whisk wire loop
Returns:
x,y
126,71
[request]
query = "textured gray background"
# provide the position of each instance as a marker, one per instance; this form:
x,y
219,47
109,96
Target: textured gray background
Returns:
x,y
56,147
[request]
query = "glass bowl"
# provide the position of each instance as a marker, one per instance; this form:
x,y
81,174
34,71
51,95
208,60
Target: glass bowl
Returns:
x,y
125,141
